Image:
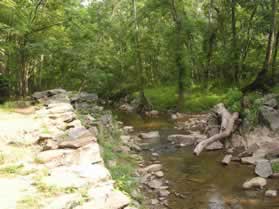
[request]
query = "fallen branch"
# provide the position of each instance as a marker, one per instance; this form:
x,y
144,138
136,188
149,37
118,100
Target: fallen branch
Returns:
x,y
226,129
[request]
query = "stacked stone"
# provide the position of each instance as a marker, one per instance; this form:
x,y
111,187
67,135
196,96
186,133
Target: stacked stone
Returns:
x,y
72,154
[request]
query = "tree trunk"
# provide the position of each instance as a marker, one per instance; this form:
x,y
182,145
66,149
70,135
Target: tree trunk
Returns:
x,y
211,40
259,82
227,126
179,55
143,104
273,65
24,77
245,49
234,43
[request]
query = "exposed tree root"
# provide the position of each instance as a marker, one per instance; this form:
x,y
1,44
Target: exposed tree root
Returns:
x,y
227,127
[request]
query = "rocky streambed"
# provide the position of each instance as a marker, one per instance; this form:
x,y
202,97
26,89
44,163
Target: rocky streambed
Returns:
x,y
172,177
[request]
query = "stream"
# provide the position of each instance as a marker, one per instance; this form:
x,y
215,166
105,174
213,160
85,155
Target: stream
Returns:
x,y
203,181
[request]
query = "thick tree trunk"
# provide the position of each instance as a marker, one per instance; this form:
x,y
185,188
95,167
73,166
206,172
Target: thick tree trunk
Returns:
x,y
227,127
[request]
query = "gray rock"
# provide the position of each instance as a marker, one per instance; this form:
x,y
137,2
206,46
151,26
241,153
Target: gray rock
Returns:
x,y
249,160
77,143
270,100
271,193
227,159
128,129
164,193
216,202
159,174
257,182
75,133
154,202
60,108
186,140
112,200
127,108
151,168
270,117
39,95
150,135
50,155
263,168
67,201
155,184
215,146
56,91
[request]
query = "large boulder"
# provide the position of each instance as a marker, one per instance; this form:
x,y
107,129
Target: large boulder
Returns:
x,y
263,168
269,113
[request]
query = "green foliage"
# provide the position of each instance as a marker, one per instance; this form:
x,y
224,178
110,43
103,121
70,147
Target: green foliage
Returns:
x,y
30,202
275,167
196,98
11,169
252,105
121,165
233,100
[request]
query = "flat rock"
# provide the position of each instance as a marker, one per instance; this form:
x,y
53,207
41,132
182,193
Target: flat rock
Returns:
x,y
77,143
249,160
152,168
263,168
215,146
67,201
62,177
150,135
257,182
94,174
75,133
113,200
155,184
60,108
50,155
86,155
186,140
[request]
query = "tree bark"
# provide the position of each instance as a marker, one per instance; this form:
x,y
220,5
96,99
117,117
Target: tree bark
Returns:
x,y
143,104
179,55
226,129
234,43
273,65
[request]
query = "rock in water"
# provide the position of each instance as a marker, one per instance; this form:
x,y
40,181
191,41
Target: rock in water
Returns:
x,y
150,135
271,193
216,202
227,159
257,182
215,146
263,168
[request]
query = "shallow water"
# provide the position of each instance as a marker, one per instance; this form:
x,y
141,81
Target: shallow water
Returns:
x,y
203,182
